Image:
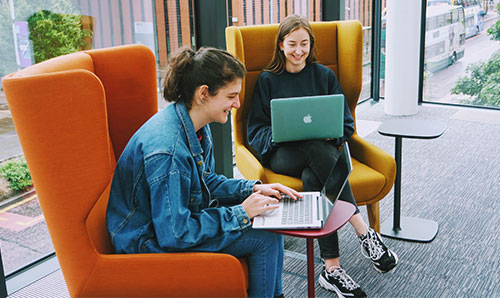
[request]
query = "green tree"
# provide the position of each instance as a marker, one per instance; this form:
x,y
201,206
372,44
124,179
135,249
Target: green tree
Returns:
x,y
490,91
55,34
482,82
494,31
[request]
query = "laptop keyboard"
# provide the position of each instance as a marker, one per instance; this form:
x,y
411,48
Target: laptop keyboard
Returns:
x,y
297,211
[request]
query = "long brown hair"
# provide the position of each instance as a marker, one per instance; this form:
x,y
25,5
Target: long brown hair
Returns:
x,y
287,26
187,70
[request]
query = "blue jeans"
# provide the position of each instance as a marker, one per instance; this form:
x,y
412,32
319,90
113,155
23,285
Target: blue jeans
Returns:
x,y
264,250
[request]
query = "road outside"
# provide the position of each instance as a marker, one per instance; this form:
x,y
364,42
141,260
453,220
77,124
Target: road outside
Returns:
x,y
8,137
23,234
437,85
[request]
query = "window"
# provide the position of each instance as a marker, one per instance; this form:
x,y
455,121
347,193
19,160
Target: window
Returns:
x,y
460,66
163,26
362,10
255,12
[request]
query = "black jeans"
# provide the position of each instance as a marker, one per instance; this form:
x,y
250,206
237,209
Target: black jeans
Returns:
x,y
312,161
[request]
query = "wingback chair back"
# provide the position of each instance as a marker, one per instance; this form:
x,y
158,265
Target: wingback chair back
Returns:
x,y
338,46
74,115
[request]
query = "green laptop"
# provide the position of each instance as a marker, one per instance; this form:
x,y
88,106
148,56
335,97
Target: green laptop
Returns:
x,y
307,118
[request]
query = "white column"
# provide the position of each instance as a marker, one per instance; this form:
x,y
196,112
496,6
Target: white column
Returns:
x,y
402,56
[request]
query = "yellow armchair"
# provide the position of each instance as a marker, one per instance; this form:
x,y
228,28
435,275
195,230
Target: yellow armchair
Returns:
x,y
338,46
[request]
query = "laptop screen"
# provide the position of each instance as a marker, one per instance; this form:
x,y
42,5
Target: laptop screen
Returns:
x,y
307,117
338,176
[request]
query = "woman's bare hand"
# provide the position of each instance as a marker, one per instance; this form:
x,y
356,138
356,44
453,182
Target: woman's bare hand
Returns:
x,y
276,190
257,203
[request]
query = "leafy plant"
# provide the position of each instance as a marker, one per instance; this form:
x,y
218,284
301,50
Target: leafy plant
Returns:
x,y
55,34
482,82
17,173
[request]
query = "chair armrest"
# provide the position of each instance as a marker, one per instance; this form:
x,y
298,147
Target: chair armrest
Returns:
x,y
249,165
167,274
373,156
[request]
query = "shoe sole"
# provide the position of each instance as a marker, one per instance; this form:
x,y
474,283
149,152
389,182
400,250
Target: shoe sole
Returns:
x,y
395,263
328,286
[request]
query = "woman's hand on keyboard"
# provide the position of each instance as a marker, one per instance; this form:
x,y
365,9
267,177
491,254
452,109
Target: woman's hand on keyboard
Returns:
x,y
257,203
277,190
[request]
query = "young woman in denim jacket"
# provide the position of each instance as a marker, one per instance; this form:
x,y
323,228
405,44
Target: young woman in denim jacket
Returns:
x,y
165,196
293,72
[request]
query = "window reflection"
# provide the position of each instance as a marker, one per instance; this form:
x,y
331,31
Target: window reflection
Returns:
x,y
460,55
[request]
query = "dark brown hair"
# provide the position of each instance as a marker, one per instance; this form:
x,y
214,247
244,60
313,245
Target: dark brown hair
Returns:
x,y
187,70
287,26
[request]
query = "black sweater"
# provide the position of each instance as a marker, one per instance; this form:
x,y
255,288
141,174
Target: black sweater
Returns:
x,y
314,79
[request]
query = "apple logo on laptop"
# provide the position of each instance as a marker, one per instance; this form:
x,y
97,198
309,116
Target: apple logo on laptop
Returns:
x,y
308,118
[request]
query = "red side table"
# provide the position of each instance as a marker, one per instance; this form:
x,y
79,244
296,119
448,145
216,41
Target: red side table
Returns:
x,y
341,213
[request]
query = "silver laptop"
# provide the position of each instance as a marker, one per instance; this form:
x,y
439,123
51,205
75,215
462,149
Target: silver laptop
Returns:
x,y
307,117
313,210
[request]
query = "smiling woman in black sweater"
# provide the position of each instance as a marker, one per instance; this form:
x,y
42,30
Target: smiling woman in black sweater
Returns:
x,y
293,72
313,79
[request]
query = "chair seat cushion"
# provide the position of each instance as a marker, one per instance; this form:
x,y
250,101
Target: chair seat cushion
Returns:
x,y
293,182
365,182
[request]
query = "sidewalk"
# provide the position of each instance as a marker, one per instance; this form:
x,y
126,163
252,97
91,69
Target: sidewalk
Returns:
x,y
9,141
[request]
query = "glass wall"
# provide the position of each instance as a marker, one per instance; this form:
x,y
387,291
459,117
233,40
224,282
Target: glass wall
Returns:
x,y
254,12
382,48
362,10
35,30
462,53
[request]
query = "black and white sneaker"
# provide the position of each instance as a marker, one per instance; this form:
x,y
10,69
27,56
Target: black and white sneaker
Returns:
x,y
372,247
338,281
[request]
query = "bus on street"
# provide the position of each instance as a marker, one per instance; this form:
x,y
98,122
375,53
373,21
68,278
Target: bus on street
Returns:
x,y
474,16
445,35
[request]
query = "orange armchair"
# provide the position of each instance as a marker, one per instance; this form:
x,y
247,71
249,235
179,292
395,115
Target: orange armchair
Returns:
x,y
74,115
338,46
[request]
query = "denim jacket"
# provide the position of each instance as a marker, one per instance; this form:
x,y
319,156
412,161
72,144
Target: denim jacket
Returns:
x,y
165,195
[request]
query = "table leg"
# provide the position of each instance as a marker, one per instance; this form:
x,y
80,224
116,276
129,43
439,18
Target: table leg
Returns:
x,y
406,228
397,186
310,268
